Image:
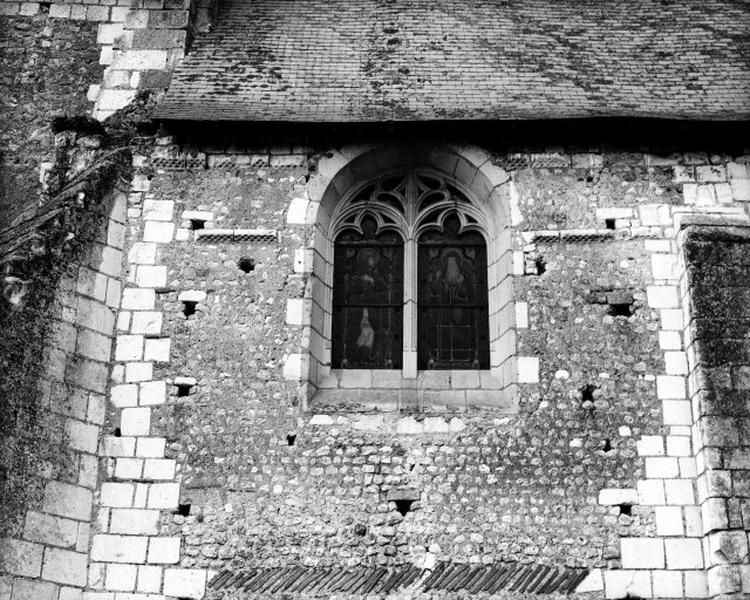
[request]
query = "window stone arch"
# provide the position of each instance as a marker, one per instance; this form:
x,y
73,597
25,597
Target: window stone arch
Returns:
x,y
465,184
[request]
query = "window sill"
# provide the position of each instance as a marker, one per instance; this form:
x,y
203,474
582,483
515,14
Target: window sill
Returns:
x,y
388,391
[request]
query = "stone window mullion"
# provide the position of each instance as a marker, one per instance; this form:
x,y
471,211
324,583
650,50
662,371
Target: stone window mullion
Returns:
x,y
410,309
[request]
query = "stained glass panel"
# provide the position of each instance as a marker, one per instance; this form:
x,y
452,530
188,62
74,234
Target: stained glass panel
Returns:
x,y
368,299
452,299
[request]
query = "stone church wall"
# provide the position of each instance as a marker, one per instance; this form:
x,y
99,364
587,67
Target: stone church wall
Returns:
x,y
596,469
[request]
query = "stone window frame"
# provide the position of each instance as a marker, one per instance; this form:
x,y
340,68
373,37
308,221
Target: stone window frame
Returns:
x,y
410,226
340,174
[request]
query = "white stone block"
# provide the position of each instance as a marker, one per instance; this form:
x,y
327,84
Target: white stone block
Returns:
x,y
65,566
662,296
153,393
163,495
67,500
297,213
696,585
693,521
642,553
741,190
138,371
158,210
678,445
672,319
118,495
650,445
185,583
112,100
50,530
623,584
615,212
82,436
157,350
298,311
528,369
667,584
668,520
135,421
119,548
594,582
658,467
138,299
123,321
679,491
128,468
134,521
164,550
684,553
149,579
151,276
158,232
139,60
159,469
677,412
522,315
150,447
303,260
121,577
192,296
142,253
616,496
129,347
107,33
355,378
663,266
670,387
295,367
118,446
146,322
675,363
670,340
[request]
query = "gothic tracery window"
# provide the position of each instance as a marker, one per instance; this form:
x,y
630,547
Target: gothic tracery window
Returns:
x,y
410,278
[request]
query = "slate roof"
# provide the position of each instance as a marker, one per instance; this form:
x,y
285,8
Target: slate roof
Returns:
x,y
364,581
414,60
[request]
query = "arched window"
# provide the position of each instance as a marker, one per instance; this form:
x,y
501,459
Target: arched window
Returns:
x,y
410,278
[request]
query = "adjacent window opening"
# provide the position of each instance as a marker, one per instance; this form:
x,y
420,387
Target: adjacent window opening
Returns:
x,y
541,265
620,310
290,439
196,224
404,506
609,223
183,389
183,510
626,509
118,432
189,307
246,264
